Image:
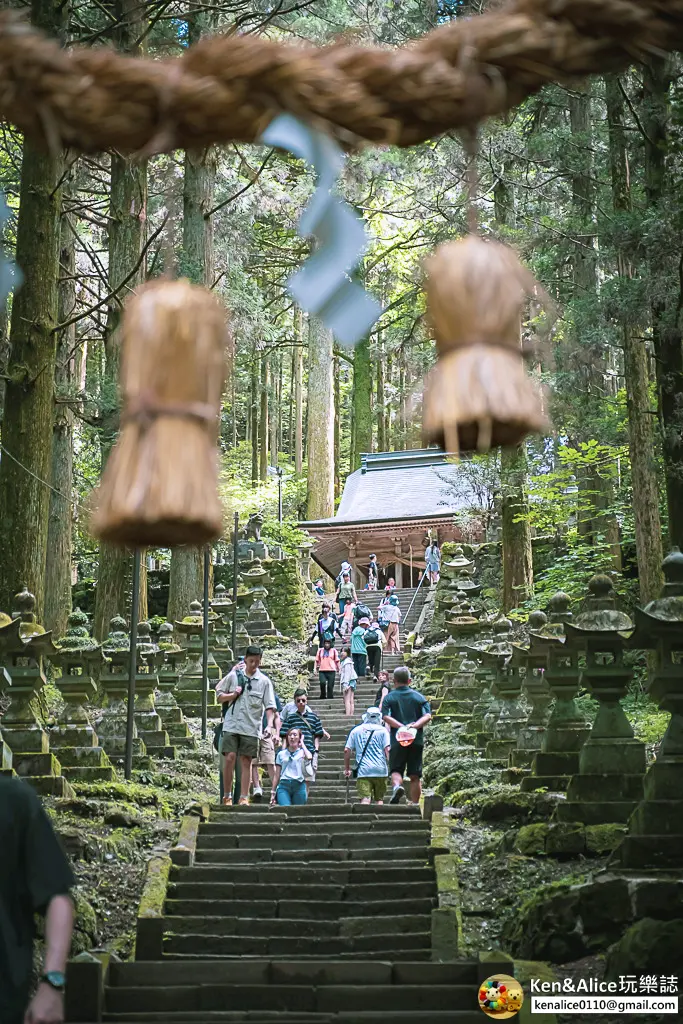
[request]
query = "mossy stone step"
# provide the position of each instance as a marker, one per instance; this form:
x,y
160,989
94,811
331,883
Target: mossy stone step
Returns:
x,y
274,826
323,840
321,891
275,927
282,1017
293,909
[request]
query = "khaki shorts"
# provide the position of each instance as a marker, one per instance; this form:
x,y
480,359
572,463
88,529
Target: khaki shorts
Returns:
x,y
237,743
372,786
266,751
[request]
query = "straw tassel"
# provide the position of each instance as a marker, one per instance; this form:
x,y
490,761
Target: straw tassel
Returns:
x,y
478,395
160,484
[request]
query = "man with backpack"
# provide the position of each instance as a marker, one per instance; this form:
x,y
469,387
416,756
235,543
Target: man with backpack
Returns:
x,y
406,711
370,744
374,641
248,693
361,611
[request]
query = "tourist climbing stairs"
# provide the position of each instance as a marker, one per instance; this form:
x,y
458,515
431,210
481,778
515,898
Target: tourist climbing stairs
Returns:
x,y
313,914
410,617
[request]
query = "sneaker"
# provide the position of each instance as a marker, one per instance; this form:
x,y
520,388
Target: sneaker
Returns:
x,y
227,801
243,801
257,795
397,795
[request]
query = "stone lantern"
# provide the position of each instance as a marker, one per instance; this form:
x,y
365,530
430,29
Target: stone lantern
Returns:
x,y
567,729
609,782
304,554
168,674
222,631
24,645
147,718
79,657
654,842
533,660
111,727
189,689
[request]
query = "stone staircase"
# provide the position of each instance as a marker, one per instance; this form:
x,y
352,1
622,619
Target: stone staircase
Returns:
x,y
314,915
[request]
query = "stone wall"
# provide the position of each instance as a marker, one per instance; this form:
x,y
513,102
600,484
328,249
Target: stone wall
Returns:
x,y
290,603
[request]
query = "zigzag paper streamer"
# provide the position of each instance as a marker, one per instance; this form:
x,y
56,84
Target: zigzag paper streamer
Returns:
x,y
323,286
10,275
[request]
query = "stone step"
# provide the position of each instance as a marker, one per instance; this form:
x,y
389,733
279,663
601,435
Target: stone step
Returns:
x,y
187,883
83,773
388,955
220,812
319,891
333,823
293,944
319,840
288,910
298,927
401,851
147,974
303,998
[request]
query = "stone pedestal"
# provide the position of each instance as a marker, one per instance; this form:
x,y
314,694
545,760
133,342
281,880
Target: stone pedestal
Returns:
x,y
259,622
609,782
512,716
535,688
189,689
567,729
23,647
147,718
78,658
168,674
111,727
654,843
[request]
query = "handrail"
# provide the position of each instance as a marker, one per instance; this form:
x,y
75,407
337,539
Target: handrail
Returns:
x,y
415,594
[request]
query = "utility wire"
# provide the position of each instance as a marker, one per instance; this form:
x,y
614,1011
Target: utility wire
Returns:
x,y
43,482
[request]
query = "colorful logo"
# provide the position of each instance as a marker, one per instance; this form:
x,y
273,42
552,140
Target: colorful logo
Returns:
x,y
500,996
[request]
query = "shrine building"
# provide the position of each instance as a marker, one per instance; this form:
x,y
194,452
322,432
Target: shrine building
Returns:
x,y
390,506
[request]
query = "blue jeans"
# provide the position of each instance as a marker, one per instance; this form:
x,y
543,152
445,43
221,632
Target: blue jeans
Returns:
x,y
342,605
291,792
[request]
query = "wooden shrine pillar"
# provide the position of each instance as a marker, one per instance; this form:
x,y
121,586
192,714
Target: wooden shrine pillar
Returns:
x,y
399,564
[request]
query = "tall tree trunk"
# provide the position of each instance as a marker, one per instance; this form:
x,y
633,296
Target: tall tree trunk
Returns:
x,y
400,419
320,491
518,565
298,396
337,427
127,230
362,400
29,409
263,418
290,424
381,420
666,302
388,409
275,412
641,439
253,417
196,263
59,539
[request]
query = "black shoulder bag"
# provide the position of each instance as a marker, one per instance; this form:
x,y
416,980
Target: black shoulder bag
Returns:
x,y
354,771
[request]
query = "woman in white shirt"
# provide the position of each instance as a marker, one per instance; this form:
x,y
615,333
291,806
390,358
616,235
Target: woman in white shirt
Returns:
x,y
289,783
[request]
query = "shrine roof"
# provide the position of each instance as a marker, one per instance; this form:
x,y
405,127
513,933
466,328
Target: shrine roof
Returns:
x,y
392,487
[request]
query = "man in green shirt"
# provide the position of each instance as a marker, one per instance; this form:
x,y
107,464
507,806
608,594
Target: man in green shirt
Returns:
x,y
35,877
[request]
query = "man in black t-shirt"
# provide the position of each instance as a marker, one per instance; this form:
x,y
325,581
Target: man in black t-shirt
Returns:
x,y
405,707
35,877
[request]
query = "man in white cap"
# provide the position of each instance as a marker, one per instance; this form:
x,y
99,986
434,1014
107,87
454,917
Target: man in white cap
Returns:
x,y
370,744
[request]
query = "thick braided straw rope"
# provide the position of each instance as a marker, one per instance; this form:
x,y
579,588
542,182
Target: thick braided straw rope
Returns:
x,y
229,88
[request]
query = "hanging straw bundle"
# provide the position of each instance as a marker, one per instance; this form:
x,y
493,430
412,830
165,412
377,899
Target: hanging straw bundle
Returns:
x,y
478,394
159,487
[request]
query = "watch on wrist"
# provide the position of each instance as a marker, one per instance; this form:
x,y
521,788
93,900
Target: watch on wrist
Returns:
x,y
55,979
